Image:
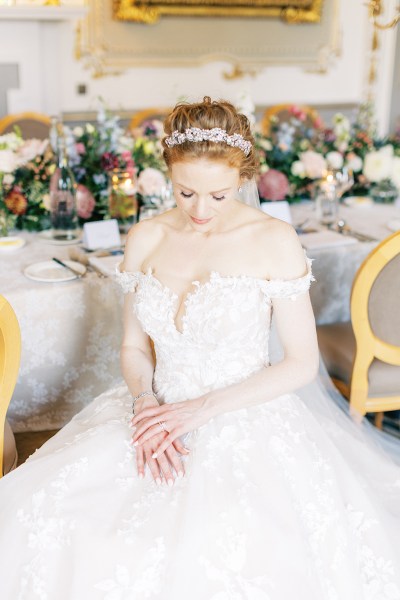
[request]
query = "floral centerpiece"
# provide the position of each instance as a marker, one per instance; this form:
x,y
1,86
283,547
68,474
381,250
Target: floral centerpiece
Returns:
x,y
25,170
298,153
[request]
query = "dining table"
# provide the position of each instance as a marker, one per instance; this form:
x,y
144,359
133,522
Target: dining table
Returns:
x,y
71,330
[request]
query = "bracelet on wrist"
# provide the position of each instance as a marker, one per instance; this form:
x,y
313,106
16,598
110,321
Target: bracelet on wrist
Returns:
x,y
141,395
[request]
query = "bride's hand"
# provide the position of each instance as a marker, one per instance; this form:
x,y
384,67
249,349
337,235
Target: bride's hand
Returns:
x,y
176,419
164,462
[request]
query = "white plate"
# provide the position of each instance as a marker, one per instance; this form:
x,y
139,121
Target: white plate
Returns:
x,y
47,236
10,242
358,201
393,224
51,272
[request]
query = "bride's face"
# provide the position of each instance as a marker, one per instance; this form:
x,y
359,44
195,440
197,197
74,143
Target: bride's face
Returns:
x,y
205,192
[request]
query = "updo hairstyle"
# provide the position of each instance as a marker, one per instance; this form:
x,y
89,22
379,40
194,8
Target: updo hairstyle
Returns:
x,y
206,115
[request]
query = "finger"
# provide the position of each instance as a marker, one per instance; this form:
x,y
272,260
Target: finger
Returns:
x,y
152,411
166,469
179,447
147,425
175,461
166,443
148,434
153,466
140,462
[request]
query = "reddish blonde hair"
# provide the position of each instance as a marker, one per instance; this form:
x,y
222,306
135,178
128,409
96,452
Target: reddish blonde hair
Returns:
x,y
206,115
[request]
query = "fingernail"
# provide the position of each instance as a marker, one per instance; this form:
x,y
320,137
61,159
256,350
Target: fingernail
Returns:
x,y
158,481
141,475
170,482
136,444
154,455
132,427
180,474
187,449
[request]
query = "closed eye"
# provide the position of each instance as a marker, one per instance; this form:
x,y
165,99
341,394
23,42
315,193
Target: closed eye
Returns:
x,y
186,195
219,198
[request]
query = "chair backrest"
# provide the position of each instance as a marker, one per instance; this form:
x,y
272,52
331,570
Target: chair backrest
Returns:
x,y
147,115
31,124
286,112
10,353
375,316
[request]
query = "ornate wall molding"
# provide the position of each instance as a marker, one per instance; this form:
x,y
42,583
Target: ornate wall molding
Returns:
x,y
108,47
149,11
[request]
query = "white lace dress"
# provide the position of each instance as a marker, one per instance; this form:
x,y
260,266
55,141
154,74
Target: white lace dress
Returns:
x,y
278,502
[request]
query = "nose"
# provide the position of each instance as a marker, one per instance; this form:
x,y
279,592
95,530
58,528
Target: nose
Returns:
x,y
201,209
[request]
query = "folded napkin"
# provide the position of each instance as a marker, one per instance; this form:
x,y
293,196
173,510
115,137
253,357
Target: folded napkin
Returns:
x,y
325,239
105,264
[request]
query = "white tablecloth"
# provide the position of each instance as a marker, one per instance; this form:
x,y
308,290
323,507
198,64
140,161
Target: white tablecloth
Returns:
x,y
71,332
334,267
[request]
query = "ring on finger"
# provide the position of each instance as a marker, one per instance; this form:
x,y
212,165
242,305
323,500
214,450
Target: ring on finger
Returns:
x,y
163,425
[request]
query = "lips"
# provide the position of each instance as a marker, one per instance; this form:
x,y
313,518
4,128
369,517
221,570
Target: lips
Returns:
x,y
200,221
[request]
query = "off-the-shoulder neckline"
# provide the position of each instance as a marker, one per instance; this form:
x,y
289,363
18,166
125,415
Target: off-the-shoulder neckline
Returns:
x,y
214,274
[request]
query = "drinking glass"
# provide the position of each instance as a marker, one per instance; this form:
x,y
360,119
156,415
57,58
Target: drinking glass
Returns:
x,y
123,203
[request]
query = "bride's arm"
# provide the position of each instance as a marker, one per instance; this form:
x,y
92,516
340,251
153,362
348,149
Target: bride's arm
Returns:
x,y
296,328
137,360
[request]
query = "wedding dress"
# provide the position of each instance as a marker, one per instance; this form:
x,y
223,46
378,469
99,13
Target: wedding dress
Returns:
x,y
282,501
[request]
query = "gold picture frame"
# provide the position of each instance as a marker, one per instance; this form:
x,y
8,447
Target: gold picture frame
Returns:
x,y
150,11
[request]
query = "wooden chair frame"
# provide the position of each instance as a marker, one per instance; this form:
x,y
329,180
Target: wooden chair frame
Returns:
x,y
368,345
145,115
10,354
273,111
9,120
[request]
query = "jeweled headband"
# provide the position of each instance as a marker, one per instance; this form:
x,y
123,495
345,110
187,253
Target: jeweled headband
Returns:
x,y
194,134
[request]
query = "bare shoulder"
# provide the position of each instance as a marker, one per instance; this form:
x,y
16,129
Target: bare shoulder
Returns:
x,y
141,240
281,247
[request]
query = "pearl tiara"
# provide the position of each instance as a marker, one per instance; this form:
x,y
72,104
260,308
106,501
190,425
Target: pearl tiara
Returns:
x,y
194,134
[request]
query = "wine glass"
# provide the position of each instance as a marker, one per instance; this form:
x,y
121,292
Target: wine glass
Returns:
x,y
344,180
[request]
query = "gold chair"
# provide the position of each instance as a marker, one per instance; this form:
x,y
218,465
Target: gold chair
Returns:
x,y
147,114
363,356
10,352
31,124
283,113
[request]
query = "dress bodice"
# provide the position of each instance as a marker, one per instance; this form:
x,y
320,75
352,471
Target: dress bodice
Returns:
x,y
224,332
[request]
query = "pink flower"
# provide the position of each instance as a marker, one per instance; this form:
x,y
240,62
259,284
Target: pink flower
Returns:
x,y
85,202
80,148
30,149
314,164
297,112
150,182
273,185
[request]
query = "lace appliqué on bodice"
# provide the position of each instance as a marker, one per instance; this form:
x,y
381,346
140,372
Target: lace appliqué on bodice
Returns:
x,y
225,328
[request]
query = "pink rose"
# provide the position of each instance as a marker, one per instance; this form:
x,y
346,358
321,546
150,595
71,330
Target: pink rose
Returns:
x,y
314,164
273,185
297,112
80,148
85,202
151,182
30,149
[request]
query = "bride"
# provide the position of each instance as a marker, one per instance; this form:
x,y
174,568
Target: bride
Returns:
x,y
237,476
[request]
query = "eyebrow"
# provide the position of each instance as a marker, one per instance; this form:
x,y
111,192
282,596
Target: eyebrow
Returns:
x,y
190,190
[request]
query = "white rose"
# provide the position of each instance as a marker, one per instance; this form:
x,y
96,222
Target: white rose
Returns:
x,y
387,150
265,144
8,179
264,168
335,160
150,182
297,169
8,161
396,172
10,141
314,164
354,162
89,128
378,165
78,131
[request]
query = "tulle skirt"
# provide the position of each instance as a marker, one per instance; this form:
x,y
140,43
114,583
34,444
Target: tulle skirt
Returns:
x,y
281,501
